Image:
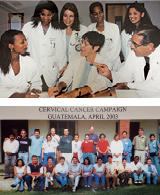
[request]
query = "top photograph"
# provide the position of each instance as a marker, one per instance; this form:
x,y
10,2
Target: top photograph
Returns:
x,y
79,49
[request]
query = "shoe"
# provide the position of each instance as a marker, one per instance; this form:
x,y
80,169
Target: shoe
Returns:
x,y
89,186
122,185
74,188
29,189
85,186
127,184
135,183
13,186
21,190
12,177
6,177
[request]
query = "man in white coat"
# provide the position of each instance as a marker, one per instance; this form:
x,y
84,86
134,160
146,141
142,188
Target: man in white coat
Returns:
x,y
142,68
81,75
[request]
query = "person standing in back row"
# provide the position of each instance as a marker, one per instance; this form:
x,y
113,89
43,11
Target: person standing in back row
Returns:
x,y
65,146
140,143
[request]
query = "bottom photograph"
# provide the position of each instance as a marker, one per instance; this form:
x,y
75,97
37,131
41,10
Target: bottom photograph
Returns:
x,y
83,156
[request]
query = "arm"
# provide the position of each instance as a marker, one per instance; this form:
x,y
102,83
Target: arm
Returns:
x,y
40,173
45,173
53,172
25,172
94,170
159,151
103,170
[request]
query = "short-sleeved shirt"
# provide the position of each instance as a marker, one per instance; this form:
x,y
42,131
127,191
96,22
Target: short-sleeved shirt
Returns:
x,y
49,169
121,167
140,142
111,167
102,145
94,138
56,139
62,168
75,168
99,170
49,146
153,146
137,167
36,145
24,144
87,169
65,144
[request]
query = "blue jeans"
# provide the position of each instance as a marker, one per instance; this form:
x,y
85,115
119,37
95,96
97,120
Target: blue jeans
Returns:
x,y
62,179
19,181
97,178
149,178
155,161
89,155
89,178
128,158
138,177
104,158
28,180
24,157
46,155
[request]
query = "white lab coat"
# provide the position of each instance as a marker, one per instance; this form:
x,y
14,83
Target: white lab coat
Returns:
x,y
73,74
76,38
47,50
133,72
126,43
112,46
116,147
76,147
10,83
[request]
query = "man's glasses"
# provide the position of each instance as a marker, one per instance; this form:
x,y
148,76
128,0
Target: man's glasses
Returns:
x,y
134,43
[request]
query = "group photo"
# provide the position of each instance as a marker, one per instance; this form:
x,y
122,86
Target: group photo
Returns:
x,y
88,49
72,156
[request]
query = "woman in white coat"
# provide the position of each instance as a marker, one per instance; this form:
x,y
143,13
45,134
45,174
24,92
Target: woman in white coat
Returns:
x,y
19,75
81,76
112,46
136,16
72,32
45,42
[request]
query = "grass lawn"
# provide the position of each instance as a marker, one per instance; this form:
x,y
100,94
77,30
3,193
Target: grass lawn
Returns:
x,y
131,190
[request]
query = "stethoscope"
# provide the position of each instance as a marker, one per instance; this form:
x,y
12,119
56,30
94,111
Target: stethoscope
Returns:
x,y
77,45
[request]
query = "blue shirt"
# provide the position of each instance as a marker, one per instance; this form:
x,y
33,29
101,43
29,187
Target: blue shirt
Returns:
x,y
87,169
150,169
127,146
153,146
36,145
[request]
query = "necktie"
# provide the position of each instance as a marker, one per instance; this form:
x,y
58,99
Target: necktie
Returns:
x,y
146,68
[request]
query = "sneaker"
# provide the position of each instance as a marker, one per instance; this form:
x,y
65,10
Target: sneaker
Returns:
x,y
6,177
74,188
122,185
13,186
85,186
127,184
29,189
89,186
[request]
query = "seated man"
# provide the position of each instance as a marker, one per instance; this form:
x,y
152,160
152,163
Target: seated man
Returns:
x,y
81,76
111,169
61,172
10,148
74,172
137,170
34,172
141,70
150,171
124,172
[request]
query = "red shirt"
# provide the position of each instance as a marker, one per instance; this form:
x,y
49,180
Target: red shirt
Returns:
x,y
102,145
87,147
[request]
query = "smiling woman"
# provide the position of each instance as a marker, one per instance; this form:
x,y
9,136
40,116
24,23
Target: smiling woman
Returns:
x,y
19,73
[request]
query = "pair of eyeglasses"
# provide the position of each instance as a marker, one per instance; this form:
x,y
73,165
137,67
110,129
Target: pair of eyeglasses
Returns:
x,y
134,43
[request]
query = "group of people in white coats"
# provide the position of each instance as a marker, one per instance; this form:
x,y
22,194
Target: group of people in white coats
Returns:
x,y
66,49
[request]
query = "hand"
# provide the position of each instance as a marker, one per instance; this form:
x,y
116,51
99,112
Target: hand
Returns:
x,y
84,176
53,91
61,72
6,139
9,153
28,95
126,153
153,174
158,156
36,91
20,177
104,154
55,157
103,70
70,94
122,86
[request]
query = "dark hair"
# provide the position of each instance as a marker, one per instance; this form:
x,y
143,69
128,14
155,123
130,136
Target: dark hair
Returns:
x,y
61,158
109,156
99,158
151,135
93,5
116,135
18,161
101,135
124,132
48,135
149,159
124,159
12,134
50,157
37,130
136,157
86,135
48,5
150,34
95,39
128,25
141,129
74,157
72,7
76,135
34,156
89,162
5,52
